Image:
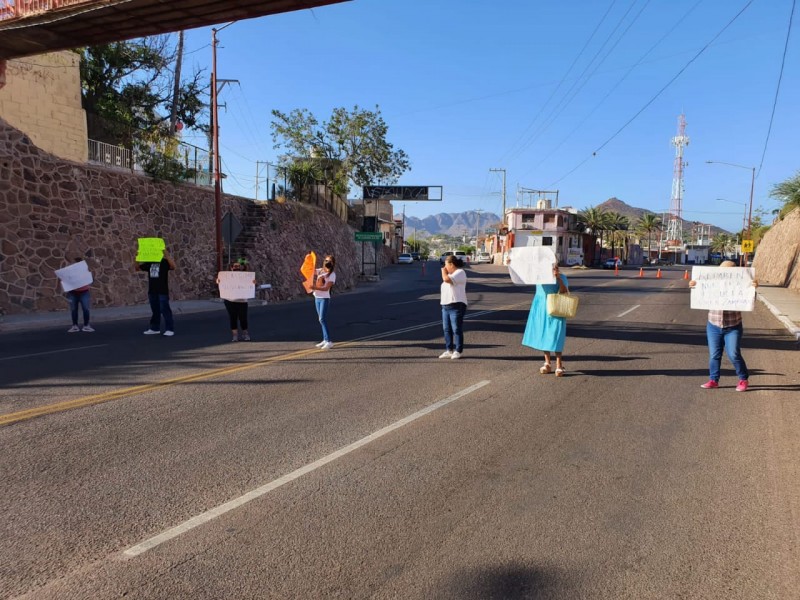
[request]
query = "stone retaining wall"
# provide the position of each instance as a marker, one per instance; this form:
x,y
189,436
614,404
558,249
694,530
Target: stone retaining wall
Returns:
x,y
54,211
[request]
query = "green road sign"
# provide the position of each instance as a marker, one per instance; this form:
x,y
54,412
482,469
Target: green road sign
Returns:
x,y
369,236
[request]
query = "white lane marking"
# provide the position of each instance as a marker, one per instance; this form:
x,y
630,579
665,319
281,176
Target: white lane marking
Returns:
x,y
53,352
212,514
409,302
630,310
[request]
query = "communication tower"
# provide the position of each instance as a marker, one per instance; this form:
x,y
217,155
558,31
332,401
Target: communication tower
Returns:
x,y
675,221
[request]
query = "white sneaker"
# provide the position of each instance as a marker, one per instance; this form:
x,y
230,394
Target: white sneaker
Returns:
x,y
321,344
456,355
151,332
446,354
73,329
169,333
327,346
88,328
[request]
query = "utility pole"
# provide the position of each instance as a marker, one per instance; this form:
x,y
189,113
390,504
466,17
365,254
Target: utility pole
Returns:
x,y
503,171
258,174
215,143
477,228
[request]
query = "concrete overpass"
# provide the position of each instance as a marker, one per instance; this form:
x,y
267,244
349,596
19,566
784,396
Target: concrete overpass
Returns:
x,y
29,27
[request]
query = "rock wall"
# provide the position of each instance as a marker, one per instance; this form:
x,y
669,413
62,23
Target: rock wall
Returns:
x,y
777,260
54,211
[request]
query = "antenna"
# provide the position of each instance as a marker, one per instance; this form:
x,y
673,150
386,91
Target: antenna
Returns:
x,y
675,224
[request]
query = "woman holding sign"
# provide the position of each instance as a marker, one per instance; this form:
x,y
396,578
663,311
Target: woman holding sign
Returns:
x,y
325,278
724,330
544,332
237,311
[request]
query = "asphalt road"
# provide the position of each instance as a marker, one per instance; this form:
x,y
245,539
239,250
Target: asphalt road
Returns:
x,y
192,467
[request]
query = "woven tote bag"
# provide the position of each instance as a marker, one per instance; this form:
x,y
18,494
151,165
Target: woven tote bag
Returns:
x,y
562,305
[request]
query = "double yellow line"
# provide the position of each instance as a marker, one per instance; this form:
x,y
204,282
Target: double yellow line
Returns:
x,y
39,411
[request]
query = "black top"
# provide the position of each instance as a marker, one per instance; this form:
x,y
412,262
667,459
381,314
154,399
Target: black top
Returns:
x,y
158,283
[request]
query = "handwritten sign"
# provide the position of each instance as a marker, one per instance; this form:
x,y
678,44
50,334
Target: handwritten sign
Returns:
x,y
237,285
74,276
723,288
150,250
531,265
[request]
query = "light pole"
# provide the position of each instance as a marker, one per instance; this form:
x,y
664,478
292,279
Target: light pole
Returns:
x,y
503,171
744,221
752,186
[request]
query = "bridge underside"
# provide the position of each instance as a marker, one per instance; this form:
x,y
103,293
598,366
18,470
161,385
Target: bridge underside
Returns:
x,y
93,23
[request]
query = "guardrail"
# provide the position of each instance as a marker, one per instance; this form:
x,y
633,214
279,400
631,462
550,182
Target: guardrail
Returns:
x,y
14,9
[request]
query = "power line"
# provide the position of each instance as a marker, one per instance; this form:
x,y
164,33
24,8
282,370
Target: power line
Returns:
x,y
661,91
778,88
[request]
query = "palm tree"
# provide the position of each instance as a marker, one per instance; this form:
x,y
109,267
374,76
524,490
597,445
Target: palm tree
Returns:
x,y
722,243
787,192
592,220
617,223
648,223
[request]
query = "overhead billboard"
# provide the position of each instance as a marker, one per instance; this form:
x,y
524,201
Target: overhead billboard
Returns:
x,y
406,193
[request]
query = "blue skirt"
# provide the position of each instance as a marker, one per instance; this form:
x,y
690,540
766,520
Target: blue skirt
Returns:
x,y
542,331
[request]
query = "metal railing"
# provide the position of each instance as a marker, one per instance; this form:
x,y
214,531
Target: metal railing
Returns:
x,y
193,158
13,9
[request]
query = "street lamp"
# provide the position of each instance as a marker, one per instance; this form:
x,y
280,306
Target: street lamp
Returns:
x,y
752,186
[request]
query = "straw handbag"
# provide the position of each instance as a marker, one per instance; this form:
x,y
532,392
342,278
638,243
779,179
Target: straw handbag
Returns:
x,y
562,305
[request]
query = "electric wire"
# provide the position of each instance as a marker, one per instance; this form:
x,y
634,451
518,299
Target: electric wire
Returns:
x,y
511,151
657,94
614,88
778,87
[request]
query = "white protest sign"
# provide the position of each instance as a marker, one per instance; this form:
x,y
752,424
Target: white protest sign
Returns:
x,y
723,288
74,276
531,265
237,285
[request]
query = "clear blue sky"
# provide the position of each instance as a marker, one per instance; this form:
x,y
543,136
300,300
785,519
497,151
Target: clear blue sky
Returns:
x,y
532,87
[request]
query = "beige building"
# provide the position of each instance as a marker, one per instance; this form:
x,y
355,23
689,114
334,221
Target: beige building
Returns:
x,y
42,98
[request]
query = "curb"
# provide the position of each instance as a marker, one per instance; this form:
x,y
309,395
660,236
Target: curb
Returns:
x,y
793,328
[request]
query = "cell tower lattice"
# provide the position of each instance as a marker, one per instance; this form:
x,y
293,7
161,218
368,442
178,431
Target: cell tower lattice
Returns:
x,y
675,224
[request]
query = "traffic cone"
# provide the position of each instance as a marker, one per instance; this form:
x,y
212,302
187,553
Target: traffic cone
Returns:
x,y
686,274
423,268
641,271
616,270
658,274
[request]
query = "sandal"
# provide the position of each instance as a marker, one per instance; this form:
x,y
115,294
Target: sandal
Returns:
x,y
560,372
545,369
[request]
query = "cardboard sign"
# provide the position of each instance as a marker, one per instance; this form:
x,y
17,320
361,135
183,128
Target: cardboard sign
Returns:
x,y
150,250
307,269
74,276
237,285
531,265
723,288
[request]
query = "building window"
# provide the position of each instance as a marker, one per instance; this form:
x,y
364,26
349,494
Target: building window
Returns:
x,y
547,241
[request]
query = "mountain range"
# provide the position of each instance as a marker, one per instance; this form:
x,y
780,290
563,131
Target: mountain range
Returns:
x,y
456,224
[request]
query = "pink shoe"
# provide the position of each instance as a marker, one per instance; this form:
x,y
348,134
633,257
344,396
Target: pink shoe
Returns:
x,y
711,385
742,386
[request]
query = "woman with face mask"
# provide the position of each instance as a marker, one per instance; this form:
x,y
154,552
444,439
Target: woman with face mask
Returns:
x,y
323,282
237,310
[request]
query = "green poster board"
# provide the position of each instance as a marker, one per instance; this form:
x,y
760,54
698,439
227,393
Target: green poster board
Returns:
x,y
150,250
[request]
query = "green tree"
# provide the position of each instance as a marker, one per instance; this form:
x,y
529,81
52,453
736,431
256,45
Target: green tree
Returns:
x,y
128,91
647,224
593,220
618,225
723,243
788,192
352,144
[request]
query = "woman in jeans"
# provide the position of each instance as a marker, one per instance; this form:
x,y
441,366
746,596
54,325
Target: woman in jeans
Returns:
x,y
454,305
724,330
325,278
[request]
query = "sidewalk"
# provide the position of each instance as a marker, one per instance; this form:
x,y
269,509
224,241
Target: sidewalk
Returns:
x,y
782,302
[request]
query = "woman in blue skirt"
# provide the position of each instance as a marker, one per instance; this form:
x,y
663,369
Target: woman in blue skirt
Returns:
x,y
544,332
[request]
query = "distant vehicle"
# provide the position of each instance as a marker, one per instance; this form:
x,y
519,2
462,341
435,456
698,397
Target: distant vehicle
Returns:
x,y
612,263
444,256
482,258
405,259
462,255
415,256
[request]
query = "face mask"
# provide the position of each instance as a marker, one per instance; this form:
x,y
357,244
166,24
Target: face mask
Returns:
x,y
328,265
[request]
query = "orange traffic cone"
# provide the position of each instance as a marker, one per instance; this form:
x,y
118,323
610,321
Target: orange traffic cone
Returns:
x,y
658,274
686,274
641,271
423,268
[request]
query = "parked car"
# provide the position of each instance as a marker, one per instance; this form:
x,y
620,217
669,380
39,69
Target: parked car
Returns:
x,y
405,259
483,258
612,263
415,255
463,256
444,256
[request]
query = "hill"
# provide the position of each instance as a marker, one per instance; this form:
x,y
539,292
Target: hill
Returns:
x,y
634,214
454,224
